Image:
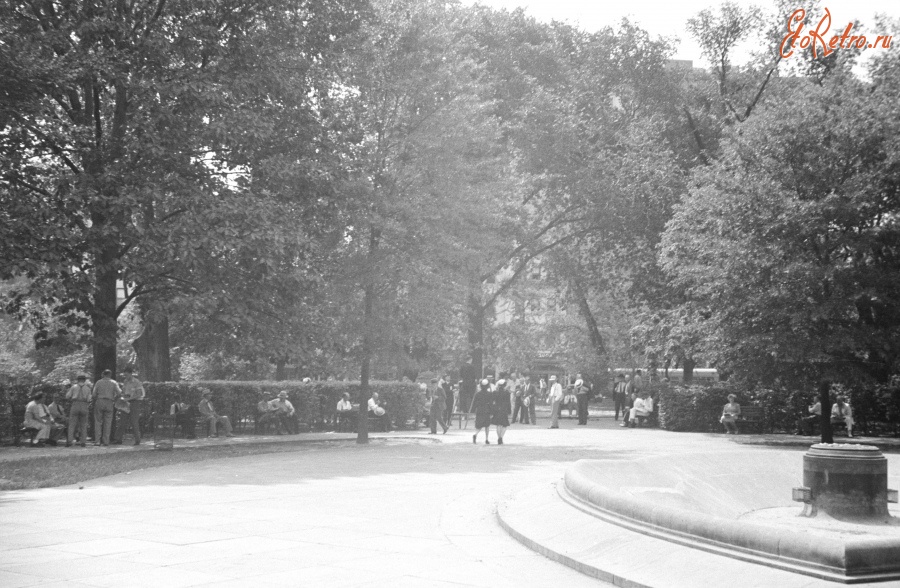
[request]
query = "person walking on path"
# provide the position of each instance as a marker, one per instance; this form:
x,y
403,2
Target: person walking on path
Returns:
x,y
581,397
438,406
500,418
483,407
556,396
134,395
79,412
106,390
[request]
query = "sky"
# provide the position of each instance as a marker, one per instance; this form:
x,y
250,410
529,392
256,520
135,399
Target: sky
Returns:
x,y
668,18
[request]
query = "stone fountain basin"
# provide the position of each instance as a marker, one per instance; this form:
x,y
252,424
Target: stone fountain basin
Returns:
x,y
737,504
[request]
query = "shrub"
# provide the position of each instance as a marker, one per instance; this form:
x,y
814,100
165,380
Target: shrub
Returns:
x,y
691,408
314,402
876,410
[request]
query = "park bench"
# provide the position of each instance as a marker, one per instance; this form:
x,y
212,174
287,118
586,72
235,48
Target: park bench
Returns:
x,y
29,432
460,417
751,415
650,420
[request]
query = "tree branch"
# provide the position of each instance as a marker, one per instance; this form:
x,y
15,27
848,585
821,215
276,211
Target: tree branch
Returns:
x,y
524,263
49,143
556,221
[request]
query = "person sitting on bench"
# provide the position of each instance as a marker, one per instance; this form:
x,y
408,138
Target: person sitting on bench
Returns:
x,y
805,424
208,413
730,414
284,414
58,414
344,411
642,408
377,411
184,417
265,413
38,417
842,414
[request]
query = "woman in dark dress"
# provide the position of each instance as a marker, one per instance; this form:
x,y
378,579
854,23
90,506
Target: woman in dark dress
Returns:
x,y
502,408
483,407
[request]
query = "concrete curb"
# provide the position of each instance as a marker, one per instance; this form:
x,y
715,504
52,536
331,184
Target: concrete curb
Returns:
x,y
850,561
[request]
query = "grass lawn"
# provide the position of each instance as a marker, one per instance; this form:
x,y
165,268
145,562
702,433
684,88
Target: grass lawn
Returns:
x,y
71,467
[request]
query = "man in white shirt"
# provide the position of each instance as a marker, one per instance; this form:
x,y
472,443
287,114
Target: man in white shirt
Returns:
x,y
842,413
377,411
556,396
344,411
643,407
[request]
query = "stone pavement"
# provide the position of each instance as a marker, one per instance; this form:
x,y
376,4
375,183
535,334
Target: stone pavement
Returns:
x,y
409,509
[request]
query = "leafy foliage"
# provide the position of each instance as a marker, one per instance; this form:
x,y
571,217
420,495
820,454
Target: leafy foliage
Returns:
x,y
787,247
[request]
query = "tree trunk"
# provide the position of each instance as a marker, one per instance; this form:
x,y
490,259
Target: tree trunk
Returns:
x,y
152,347
280,364
590,321
362,432
825,418
476,334
104,325
688,364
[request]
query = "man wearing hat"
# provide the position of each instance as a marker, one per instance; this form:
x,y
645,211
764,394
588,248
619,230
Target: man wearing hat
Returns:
x,y
80,395
284,413
581,397
265,412
133,392
438,406
105,393
208,412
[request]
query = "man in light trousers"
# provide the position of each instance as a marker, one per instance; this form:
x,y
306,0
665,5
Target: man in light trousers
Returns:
x,y
105,393
79,413
556,396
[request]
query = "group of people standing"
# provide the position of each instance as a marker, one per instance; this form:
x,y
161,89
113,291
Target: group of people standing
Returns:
x,y
631,398
107,396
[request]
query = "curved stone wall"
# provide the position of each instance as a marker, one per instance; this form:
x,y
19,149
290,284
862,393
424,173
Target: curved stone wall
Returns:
x,y
698,500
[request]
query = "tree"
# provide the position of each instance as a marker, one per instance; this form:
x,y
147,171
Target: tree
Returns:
x,y
423,158
127,127
579,112
788,246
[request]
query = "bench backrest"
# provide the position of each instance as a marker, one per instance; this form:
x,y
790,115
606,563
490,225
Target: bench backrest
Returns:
x,y
752,412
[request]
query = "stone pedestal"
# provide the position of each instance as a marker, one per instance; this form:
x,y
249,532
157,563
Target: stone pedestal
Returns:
x,y
847,481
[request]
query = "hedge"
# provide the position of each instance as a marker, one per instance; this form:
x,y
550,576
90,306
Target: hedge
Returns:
x,y
315,402
691,408
697,408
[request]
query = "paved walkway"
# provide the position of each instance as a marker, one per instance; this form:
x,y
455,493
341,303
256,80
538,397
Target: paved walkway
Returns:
x,y
409,509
